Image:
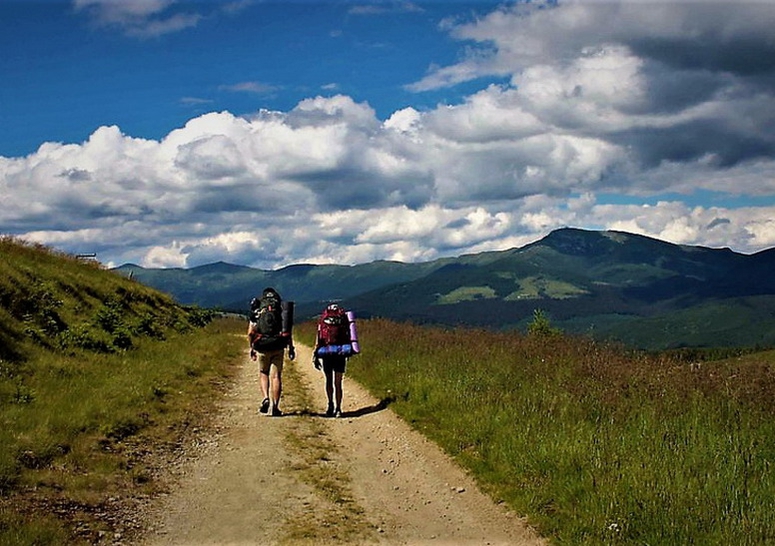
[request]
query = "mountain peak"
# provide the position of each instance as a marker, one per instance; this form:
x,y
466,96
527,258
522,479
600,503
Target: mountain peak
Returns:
x,y
219,267
578,242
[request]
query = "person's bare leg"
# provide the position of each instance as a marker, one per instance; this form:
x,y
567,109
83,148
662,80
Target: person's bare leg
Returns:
x,y
276,384
338,386
264,382
330,391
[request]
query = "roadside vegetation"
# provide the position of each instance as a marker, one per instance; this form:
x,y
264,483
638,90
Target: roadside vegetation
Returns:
x,y
100,380
596,444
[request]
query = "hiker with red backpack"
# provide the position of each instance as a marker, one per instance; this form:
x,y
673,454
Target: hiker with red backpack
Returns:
x,y
336,341
270,331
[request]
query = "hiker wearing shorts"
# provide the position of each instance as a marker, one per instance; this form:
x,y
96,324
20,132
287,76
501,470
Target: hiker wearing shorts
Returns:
x,y
270,366
268,338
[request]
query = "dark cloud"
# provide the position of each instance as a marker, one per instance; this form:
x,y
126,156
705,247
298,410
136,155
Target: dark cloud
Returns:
x,y
743,56
460,223
695,140
718,222
76,175
241,199
671,91
352,188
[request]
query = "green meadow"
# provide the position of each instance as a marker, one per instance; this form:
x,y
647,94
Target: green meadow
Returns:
x,y
595,444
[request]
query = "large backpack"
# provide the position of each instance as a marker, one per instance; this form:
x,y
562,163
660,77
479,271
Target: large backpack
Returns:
x,y
266,321
334,326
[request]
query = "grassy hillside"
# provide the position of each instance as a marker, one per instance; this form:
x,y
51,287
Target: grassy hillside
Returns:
x,y
97,374
730,322
595,444
58,302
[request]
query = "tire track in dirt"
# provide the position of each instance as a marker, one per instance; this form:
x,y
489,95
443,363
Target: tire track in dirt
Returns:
x,y
306,479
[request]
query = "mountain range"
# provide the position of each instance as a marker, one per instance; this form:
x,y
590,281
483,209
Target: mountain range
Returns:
x,y
641,291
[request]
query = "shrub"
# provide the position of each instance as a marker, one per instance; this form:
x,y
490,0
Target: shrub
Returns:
x,y
541,326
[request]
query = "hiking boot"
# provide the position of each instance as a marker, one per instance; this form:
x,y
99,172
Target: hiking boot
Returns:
x,y
264,406
276,412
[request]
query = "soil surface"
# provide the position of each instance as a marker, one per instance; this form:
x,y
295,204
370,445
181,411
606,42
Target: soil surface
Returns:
x,y
303,478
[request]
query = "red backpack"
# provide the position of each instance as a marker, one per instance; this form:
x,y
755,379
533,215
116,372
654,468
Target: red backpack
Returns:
x,y
333,326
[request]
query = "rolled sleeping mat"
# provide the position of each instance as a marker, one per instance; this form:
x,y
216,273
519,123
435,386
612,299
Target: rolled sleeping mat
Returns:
x,y
287,316
342,350
356,347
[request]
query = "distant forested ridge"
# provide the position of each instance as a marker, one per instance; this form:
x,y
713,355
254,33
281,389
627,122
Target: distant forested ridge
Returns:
x,y
608,284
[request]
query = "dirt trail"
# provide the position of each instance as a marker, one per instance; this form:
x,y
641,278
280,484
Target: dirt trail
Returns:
x,y
306,479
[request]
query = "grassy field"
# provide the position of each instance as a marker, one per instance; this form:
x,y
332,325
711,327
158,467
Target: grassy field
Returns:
x,y
99,376
595,444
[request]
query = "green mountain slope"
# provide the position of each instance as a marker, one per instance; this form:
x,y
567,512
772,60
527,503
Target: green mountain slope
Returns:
x,y
609,284
52,301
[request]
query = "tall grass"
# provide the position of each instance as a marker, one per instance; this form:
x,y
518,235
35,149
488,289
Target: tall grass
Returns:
x,y
597,445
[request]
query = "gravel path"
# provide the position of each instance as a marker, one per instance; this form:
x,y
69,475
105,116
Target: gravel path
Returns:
x,y
306,479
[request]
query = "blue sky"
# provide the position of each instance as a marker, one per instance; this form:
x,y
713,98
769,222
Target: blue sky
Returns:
x,y
74,73
172,134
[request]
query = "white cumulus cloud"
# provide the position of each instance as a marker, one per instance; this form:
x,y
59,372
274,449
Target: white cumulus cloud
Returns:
x,y
609,115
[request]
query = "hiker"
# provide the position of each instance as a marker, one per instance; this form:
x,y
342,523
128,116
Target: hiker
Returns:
x,y
269,333
335,342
